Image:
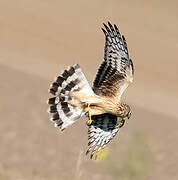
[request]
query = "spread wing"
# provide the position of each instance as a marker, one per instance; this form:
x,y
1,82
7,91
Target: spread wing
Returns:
x,y
113,77
116,71
103,128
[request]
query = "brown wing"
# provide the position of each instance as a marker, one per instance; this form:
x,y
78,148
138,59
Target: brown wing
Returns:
x,y
116,71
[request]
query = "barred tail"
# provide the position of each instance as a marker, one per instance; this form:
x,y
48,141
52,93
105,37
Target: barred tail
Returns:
x,y
72,79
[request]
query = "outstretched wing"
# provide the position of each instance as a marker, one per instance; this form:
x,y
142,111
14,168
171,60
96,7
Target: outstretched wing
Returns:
x,y
113,77
103,128
116,71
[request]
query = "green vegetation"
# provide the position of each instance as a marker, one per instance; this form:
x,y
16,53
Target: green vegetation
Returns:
x,y
135,163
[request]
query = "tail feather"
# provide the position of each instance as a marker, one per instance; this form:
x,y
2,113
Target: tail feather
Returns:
x,y
71,79
51,100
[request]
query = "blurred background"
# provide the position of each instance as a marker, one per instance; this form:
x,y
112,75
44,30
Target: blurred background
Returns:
x,y
39,38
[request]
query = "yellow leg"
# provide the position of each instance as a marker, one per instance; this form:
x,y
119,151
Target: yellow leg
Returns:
x,y
88,110
90,120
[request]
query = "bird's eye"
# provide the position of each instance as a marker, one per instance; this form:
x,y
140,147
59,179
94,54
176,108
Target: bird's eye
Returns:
x,y
129,115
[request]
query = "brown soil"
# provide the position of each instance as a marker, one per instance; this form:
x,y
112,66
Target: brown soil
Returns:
x,y
38,38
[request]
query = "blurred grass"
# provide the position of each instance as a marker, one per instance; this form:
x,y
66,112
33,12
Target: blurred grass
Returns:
x,y
134,165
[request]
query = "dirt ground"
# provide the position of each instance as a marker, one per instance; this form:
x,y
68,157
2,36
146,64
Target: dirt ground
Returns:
x,y
39,38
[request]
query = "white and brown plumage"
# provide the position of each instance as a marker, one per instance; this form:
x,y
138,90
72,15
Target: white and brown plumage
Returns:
x,y
73,96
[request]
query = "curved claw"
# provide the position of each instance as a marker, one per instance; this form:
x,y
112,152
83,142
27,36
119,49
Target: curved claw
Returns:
x,y
89,122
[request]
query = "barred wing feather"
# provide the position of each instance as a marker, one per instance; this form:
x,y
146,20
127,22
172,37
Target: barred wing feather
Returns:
x,y
103,128
116,64
113,77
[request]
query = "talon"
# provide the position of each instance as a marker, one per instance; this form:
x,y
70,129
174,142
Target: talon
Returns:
x,y
89,122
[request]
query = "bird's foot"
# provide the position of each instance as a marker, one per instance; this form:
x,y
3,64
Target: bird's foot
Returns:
x,y
89,122
87,109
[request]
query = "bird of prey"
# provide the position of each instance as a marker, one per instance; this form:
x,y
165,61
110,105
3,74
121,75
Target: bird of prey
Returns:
x,y
73,97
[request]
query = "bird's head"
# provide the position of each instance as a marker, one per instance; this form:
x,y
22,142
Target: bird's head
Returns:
x,y
125,111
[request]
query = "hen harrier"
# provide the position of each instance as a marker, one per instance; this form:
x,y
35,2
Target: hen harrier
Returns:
x,y
73,96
